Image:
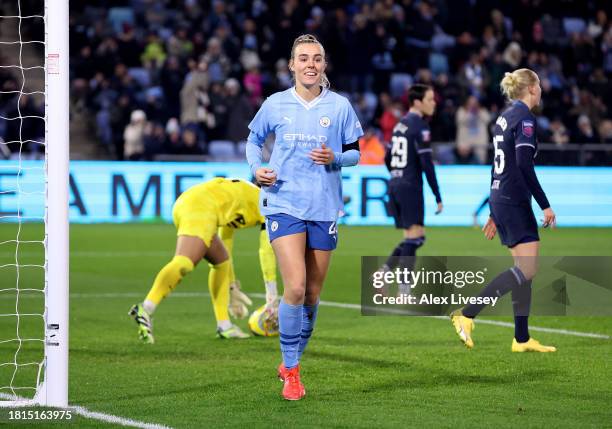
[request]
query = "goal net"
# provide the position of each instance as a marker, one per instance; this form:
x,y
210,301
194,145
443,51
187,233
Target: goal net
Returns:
x,y
33,202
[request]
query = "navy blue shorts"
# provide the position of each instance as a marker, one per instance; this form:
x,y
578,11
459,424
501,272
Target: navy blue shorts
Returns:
x,y
406,205
320,235
515,224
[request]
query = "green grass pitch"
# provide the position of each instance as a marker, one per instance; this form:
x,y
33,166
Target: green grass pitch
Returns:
x,y
359,371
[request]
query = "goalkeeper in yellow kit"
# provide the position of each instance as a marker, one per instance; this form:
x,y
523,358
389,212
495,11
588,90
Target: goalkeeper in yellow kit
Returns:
x,y
206,216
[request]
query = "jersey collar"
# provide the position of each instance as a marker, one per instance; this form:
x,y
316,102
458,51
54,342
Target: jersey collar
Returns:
x,y
521,103
308,104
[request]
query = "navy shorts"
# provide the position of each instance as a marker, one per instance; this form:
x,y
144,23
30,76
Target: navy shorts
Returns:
x,y
406,205
320,235
515,224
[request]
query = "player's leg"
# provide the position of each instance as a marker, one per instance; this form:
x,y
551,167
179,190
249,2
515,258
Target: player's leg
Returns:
x,y
526,259
189,251
317,264
290,256
321,240
408,211
463,319
505,282
219,275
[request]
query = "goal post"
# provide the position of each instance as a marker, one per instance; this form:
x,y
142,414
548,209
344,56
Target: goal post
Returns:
x,y
54,391
43,345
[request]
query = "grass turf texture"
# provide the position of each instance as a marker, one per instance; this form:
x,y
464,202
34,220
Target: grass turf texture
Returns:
x,y
359,371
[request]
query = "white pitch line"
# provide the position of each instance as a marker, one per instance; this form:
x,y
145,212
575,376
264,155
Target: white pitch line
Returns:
x,y
82,411
358,307
480,321
109,418
346,305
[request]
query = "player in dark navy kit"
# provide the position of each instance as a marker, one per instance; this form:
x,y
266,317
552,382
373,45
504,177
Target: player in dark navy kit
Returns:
x,y
407,158
513,183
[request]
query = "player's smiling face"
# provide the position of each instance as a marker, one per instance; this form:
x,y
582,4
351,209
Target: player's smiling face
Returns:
x,y
308,64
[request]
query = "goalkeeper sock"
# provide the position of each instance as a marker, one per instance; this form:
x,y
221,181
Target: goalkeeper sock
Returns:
x,y
224,325
309,316
290,328
166,280
219,286
271,290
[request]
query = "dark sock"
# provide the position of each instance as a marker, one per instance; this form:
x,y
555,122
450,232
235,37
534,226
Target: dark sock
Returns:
x,y
407,247
521,328
499,286
408,252
392,259
521,304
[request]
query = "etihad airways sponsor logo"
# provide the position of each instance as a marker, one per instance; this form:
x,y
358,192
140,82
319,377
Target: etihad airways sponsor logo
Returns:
x,y
300,137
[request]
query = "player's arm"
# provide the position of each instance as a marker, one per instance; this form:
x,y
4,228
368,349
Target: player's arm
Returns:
x,y
525,148
388,157
349,156
259,128
351,132
425,152
267,261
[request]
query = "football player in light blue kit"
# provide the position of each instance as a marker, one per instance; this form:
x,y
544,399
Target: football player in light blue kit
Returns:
x,y
317,134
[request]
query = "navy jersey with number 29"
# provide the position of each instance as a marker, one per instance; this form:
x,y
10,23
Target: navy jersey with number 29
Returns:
x,y
409,154
513,178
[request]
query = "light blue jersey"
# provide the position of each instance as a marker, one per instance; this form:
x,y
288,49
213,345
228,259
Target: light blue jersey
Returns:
x,y
305,190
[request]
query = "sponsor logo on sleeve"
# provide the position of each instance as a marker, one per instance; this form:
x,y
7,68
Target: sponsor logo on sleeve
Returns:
x,y
527,128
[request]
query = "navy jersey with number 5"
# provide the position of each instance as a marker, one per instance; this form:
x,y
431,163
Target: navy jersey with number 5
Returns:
x,y
409,154
513,178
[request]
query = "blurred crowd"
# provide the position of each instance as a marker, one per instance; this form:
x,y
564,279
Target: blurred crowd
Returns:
x,y
175,76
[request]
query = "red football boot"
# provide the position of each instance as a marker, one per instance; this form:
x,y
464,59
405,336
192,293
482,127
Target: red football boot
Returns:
x,y
282,371
293,390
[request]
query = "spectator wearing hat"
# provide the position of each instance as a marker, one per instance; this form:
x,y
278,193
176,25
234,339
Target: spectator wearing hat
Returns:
x,y
133,136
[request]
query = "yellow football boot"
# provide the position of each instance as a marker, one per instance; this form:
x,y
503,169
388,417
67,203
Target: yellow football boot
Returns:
x,y
531,346
464,327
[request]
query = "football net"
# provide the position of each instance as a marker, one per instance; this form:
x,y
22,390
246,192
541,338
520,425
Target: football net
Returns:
x,y
33,202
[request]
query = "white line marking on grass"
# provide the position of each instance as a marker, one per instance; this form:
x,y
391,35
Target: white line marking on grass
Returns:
x,y
480,321
346,305
84,412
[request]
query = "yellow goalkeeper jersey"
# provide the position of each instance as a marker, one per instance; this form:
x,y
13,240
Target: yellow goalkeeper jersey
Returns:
x,y
234,201
220,206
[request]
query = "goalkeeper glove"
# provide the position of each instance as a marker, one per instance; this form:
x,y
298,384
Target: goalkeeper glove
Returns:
x,y
238,301
272,310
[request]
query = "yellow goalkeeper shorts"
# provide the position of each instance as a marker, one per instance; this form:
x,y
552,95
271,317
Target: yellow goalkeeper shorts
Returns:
x,y
195,217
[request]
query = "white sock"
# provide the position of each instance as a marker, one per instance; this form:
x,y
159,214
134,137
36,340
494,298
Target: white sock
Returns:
x,y
224,324
403,289
271,292
149,306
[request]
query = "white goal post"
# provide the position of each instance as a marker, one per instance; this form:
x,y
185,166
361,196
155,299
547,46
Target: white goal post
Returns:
x,y
52,386
54,391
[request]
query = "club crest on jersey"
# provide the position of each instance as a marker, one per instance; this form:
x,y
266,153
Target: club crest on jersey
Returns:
x,y
426,134
324,121
527,127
